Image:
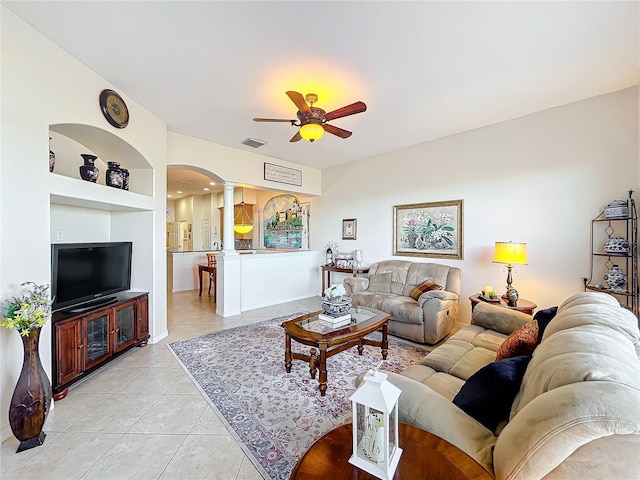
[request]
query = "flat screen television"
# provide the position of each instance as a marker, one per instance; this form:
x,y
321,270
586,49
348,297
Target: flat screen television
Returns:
x,y
83,275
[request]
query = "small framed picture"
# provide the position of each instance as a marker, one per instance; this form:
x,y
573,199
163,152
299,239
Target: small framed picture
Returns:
x,y
349,229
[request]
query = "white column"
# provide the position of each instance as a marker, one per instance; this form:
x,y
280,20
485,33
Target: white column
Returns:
x,y
228,242
228,275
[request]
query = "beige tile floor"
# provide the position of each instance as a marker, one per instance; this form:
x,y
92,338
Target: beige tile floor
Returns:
x,y
140,417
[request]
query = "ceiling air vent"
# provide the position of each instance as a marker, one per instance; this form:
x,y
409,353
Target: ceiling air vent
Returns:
x,y
253,142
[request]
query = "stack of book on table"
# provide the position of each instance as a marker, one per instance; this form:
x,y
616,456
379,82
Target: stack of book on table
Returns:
x,y
335,321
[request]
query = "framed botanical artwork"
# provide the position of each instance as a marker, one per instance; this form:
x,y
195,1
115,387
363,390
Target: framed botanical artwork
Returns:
x,y
349,229
428,230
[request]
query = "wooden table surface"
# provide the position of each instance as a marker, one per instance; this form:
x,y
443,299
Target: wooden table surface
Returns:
x,y
327,269
523,305
425,457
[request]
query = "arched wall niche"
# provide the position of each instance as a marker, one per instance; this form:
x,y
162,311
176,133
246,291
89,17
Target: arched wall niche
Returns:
x,y
102,143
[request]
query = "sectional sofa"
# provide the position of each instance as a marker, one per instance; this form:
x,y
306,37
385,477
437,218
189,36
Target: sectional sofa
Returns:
x,y
570,409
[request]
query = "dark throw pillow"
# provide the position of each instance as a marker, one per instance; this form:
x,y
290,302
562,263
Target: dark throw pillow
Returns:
x,y
543,317
424,287
380,282
522,341
488,394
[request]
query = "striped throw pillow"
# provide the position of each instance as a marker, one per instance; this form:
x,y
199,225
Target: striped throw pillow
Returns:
x,y
424,287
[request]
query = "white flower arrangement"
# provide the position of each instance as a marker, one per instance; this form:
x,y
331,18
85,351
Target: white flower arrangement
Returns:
x,y
336,290
331,245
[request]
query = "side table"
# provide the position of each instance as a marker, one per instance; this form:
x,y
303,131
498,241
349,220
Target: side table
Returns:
x,y
525,306
330,268
425,456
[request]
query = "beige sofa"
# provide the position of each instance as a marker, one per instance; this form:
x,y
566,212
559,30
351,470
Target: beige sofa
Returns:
x,y
576,414
426,320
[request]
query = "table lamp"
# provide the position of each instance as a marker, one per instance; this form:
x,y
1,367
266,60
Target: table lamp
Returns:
x,y
511,254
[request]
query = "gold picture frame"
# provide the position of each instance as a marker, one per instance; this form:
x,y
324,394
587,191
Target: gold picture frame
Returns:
x,y
428,230
349,226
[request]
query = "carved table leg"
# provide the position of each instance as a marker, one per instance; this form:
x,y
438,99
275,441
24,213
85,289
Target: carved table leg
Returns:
x,y
313,362
360,347
323,370
385,341
287,352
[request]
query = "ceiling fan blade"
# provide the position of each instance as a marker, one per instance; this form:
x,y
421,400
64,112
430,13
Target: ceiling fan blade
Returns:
x,y
352,109
297,137
299,100
340,132
272,120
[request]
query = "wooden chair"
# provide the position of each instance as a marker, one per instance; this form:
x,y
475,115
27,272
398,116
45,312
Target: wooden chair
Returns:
x,y
212,264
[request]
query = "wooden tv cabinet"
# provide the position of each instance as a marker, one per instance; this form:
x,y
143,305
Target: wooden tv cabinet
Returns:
x,y
85,341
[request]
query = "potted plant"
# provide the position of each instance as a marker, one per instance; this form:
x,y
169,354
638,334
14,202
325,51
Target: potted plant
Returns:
x,y
31,400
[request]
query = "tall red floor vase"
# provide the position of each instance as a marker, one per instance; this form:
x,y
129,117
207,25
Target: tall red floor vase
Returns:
x,y
31,400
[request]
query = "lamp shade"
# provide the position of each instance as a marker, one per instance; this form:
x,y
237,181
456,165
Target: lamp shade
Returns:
x,y
242,229
311,131
242,223
510,253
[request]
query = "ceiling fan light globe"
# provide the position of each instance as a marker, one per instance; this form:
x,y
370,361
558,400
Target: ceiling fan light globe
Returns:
x,y
311,131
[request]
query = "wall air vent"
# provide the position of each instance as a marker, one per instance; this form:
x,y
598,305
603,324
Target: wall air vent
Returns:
x,y
253,142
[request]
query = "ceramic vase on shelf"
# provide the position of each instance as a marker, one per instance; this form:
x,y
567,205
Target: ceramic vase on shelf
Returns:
x,y
89,171
52,157
115,178
125,178
616,209
31,400
615,278
616,244
336,306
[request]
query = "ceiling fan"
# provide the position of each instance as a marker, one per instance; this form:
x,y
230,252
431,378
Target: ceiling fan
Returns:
x,y
313,120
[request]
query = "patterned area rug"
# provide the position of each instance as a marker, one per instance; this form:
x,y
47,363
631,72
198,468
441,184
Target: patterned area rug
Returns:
x,y
276,415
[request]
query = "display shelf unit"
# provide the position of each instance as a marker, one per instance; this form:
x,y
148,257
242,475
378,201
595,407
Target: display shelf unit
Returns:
x,y
84,342
603,228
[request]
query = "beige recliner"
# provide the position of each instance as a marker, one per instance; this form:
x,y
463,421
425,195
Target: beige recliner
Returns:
x,y
426,320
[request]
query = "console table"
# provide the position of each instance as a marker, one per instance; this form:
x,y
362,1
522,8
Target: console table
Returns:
x,y
424,456
87,340
327,269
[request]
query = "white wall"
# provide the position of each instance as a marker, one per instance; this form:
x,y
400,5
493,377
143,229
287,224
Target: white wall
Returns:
x,y
235,165
538,179
43,86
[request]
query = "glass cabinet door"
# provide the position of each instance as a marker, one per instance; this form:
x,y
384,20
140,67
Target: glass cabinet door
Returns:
x,y
97,344
125,325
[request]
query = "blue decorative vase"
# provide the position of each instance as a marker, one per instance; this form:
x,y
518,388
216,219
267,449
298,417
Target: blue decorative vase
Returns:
x,y
115,178
89,171
336,306
615,278
616,244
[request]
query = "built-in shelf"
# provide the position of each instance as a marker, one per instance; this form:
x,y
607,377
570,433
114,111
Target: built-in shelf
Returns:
x,y
79,193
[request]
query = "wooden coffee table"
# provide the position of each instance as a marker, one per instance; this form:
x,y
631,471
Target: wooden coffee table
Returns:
x,y
425,456
309,330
